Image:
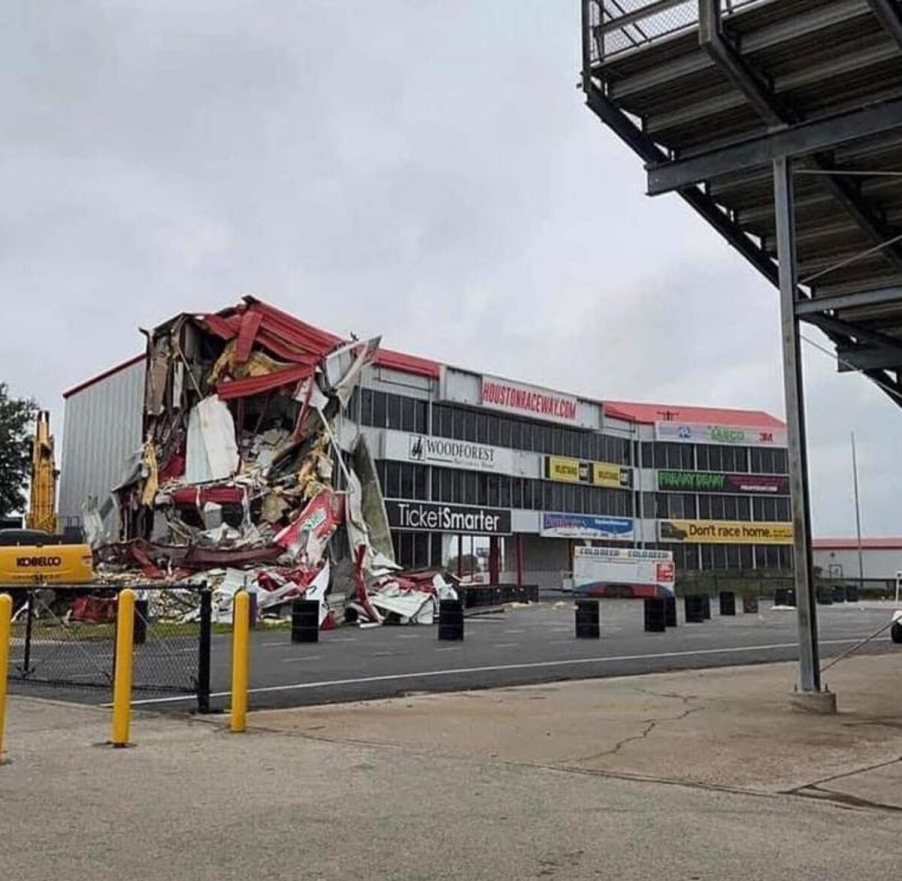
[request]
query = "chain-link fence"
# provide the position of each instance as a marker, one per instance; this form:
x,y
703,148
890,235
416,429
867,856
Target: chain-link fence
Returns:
x,y
66,637
768,584
616,26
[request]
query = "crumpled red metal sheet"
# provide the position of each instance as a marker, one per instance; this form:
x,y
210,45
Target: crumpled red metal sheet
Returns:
x,y
198,495
294,340
255,385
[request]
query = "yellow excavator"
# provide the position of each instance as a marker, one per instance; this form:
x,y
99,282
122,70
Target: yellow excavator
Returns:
x,y
37,554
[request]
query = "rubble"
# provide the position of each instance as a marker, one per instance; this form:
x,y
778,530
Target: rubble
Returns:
x,y
243,483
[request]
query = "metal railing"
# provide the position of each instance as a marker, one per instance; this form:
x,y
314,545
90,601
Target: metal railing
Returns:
x,y
612,27
66,637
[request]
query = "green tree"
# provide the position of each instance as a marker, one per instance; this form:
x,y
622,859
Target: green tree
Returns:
x,y
16,417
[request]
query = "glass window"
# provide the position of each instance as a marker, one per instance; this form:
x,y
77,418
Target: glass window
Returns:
x,y
494,431
421,417
493,490
505,433
517,493
408,414
407,481
394,405
781,462
482,428
379,409
504,492
469,425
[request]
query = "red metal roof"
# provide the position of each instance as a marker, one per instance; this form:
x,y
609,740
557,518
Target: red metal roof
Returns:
x,y
650,413
294,340
101,376
851,544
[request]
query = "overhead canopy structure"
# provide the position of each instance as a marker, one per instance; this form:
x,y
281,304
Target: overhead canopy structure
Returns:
x,y
780,122
709,93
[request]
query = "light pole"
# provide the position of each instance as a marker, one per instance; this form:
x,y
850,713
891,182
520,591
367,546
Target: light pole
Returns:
x,y
857,514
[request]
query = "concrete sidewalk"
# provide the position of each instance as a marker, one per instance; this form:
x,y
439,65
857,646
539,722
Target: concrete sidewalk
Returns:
x,y
691,775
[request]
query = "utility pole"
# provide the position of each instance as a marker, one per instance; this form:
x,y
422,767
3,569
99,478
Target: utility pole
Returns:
x,y
857,514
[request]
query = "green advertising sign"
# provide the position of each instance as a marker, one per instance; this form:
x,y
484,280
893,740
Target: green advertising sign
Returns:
x,y
715,482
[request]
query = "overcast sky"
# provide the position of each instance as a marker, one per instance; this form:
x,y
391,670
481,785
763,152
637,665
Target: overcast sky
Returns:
x,y
423,170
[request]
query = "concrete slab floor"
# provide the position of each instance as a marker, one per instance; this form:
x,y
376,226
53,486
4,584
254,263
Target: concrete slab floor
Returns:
x,y
525,783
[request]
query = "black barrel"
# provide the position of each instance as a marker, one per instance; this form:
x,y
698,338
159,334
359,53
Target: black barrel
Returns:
x,y
784,596
655,615
671,612
695,608
140,635
707,601
451,620
824,595
851,593
750,605
727,602
305,621
588,619
839,594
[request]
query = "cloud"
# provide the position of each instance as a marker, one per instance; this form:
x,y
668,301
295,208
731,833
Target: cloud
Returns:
x,y
428,174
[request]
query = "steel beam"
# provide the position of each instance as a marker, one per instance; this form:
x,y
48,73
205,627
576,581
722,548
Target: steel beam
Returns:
x,y
613,117
761,95
876,297
809,663
726,57
890,17
861,358
862,334
795,140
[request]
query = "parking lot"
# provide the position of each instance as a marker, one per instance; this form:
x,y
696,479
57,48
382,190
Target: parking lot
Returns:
x,y
521,645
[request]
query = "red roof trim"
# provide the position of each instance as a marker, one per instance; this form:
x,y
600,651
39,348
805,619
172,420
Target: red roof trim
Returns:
x,y
651,413
851,544
102,376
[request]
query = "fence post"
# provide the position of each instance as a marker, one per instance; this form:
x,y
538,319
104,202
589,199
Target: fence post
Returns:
x,y
29,618
240,622
204,648
6,613
122,677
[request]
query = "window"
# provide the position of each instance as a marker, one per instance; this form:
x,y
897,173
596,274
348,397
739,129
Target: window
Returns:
x,y
781,462
494,431
380,406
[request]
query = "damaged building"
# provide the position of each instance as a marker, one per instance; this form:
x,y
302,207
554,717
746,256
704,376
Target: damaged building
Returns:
x,y
251,448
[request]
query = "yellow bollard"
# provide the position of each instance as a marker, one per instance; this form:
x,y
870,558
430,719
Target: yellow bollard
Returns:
x,y
6,612
240,660
122,677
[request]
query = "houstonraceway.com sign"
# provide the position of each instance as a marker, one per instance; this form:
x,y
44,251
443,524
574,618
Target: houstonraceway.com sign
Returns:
x,y
456,519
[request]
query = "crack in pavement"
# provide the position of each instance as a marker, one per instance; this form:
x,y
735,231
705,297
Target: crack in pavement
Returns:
x,y
650,725
843,799
844,774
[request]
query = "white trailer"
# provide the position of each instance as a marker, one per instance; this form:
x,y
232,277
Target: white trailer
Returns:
x,y
622,572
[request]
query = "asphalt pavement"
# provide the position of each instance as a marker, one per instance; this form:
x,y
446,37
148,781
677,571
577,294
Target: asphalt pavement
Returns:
x,y
521,645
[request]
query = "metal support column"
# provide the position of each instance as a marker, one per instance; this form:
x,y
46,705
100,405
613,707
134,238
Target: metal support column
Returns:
x,y
784,211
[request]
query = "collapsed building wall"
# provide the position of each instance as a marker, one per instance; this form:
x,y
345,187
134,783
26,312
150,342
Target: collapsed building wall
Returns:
x,y
241,478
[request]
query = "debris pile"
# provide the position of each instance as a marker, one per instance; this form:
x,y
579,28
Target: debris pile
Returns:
x,y
251,476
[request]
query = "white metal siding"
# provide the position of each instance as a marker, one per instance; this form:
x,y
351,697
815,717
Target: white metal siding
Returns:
x,y
101,428
878,562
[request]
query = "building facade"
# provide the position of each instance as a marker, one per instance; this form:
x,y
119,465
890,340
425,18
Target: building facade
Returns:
x,y
468,461
841,558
